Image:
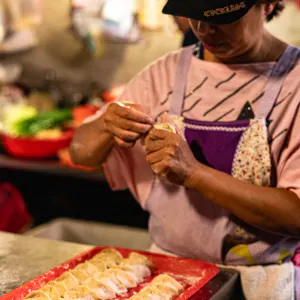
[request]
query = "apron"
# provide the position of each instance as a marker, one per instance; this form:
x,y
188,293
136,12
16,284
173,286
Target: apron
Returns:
x,y
185,223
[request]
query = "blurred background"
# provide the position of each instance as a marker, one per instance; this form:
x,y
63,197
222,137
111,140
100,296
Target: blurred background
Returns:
x,y
60,61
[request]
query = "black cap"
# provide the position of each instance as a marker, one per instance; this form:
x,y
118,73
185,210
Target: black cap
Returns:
x,y
210,11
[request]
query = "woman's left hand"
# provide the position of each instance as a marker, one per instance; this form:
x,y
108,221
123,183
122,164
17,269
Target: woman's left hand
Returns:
x,y
170,156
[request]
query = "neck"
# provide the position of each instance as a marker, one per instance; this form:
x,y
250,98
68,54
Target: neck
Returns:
x,y
269,49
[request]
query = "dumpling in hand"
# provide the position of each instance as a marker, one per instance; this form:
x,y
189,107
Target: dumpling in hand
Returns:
x,y
112,282
126,279
100,290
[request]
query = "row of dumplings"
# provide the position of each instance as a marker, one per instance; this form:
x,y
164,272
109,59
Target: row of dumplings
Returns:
x,y
105,276
163,287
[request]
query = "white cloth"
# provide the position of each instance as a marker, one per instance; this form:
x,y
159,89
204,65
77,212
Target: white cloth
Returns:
x,y
274,282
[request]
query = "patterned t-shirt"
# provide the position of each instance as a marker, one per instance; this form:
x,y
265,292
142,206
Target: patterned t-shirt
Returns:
x,y
215,92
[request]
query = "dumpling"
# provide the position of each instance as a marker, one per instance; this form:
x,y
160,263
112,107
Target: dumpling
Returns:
x,y
102,264
111,281
137,278
91,268
69,280
51,291
139,269
168,281
163,287
39,298
141,259
148,294
127,279
100,290
80,275
109,254
165,291
38,295
59,286
81,293
46,292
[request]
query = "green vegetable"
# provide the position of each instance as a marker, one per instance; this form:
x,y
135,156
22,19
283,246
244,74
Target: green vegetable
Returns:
x,y
42,122
15,113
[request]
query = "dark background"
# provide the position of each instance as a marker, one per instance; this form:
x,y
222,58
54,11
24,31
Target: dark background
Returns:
x,y
52,196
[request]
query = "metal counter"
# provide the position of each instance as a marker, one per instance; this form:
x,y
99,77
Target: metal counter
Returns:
x,y
23,258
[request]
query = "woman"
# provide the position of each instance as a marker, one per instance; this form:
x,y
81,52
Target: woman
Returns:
x,y
228,191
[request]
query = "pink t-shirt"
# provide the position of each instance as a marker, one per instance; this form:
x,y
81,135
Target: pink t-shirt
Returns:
x,y
215,92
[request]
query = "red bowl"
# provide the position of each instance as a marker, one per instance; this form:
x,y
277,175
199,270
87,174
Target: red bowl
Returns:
x,y
32,148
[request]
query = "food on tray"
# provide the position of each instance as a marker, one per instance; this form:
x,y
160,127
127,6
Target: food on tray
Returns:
x,y
104,276
80,275
108,279
163,287
91,268
100,290
110,257
60,286
69,280
139,269
37,295
82,293
169,281
47,292
126,278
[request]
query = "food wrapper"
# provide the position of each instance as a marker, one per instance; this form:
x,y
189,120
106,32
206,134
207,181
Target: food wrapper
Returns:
x,y
171,123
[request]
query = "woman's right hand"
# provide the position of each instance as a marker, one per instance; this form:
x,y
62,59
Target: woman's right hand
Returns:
x,y
126,123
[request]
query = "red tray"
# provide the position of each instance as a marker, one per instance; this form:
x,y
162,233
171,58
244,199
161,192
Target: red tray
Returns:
x,y
180,268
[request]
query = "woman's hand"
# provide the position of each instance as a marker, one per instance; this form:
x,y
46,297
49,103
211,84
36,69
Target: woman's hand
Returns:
x,y
170,156
126,123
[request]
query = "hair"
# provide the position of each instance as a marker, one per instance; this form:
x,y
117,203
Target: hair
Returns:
x,y
279,7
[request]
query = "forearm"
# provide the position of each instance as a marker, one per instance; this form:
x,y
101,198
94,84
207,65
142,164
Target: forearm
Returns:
x,y
271,209
91,144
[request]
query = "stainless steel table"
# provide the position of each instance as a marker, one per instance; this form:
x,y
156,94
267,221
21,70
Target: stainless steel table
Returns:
x,y
23,258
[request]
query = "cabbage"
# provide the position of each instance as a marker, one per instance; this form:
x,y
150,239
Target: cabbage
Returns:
x,y
13,114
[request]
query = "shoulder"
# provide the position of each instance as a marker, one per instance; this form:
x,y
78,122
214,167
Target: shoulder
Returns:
x,y
153,82
163,66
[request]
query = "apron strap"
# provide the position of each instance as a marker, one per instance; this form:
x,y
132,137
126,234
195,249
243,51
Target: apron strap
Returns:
x,y
182,70
278,75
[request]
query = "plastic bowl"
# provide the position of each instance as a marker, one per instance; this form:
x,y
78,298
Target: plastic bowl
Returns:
x,y
32,148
